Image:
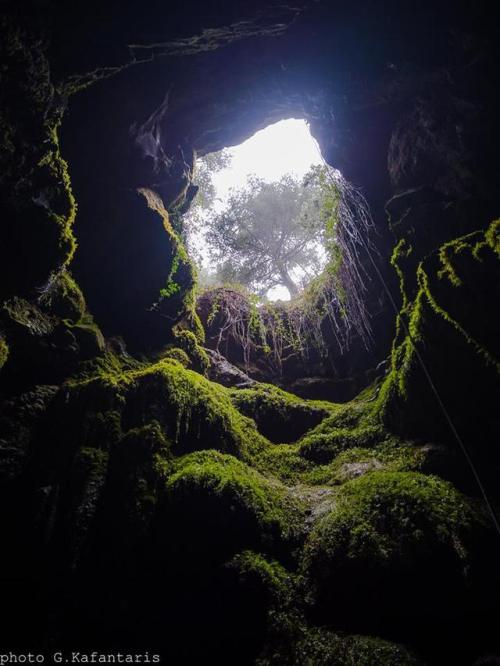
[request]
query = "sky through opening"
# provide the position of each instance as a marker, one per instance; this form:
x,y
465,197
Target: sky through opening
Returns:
x,y
283,147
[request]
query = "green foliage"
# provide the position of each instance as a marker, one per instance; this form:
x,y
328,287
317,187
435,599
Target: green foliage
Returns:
x,y
39,207
347,444
205,167
62,203
266,233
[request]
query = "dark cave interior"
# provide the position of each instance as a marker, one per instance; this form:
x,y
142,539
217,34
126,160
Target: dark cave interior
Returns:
x,y
161,496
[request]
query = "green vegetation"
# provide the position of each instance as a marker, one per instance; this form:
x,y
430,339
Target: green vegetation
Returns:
x,y
197,356
177,354
63,298
280,416
177,296
460,271
225,500
4,352
407,539
384,515
266,233
193,412
314,646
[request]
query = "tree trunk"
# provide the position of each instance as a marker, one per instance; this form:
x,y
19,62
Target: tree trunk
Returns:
x,y
288,282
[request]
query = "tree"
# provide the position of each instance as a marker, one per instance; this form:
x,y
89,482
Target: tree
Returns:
x,y
195,220
268,234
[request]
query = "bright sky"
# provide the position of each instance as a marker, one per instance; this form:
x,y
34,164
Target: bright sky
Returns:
x,y
285,147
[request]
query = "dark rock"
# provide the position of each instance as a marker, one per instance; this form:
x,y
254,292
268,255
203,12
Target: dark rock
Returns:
x,y
223,372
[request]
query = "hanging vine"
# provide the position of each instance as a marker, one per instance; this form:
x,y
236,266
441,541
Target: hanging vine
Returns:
x,y
283,330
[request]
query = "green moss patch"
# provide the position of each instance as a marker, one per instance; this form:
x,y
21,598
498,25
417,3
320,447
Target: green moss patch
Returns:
x,y
4,352
280,416
395,543
197,356
451,328
63,298
215,498
316,646
196,413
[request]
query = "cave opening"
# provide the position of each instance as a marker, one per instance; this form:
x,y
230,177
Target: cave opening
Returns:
x,y
256,218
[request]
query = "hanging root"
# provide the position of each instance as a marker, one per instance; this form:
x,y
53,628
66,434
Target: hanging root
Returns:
x,y
281,331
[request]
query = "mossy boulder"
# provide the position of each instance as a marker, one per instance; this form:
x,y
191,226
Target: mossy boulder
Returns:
x,y
280,416
218,506
323,445
63,298
187,341
177,354
4,352
397,548
195,413
316,646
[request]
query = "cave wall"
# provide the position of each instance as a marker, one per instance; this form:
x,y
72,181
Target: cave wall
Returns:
x,y
109,457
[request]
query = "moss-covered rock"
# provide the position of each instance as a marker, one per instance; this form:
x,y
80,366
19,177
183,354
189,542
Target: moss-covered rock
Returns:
x,y
20,416
195,413
395,546
451,332
188,342
177,354
38,207
280,416
215,498
63,298
316,646
4,352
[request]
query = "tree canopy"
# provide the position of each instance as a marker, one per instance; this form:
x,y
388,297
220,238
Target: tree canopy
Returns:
x,y
267,234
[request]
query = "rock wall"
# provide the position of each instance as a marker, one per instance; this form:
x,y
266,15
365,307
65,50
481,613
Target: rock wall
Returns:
x,y
146,507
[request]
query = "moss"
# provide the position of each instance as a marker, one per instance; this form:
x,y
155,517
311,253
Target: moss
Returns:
x,y
323,447
39,207
446,330
4,352
269,574
61,204
89,338
196,413
27,315
294,465
177,354
189,344
319,646
390,455
63,298
403,537
280,416
139,464
215,497
177,296
425,505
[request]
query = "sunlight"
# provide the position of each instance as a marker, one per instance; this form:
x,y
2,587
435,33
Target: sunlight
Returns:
x,y
284,147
